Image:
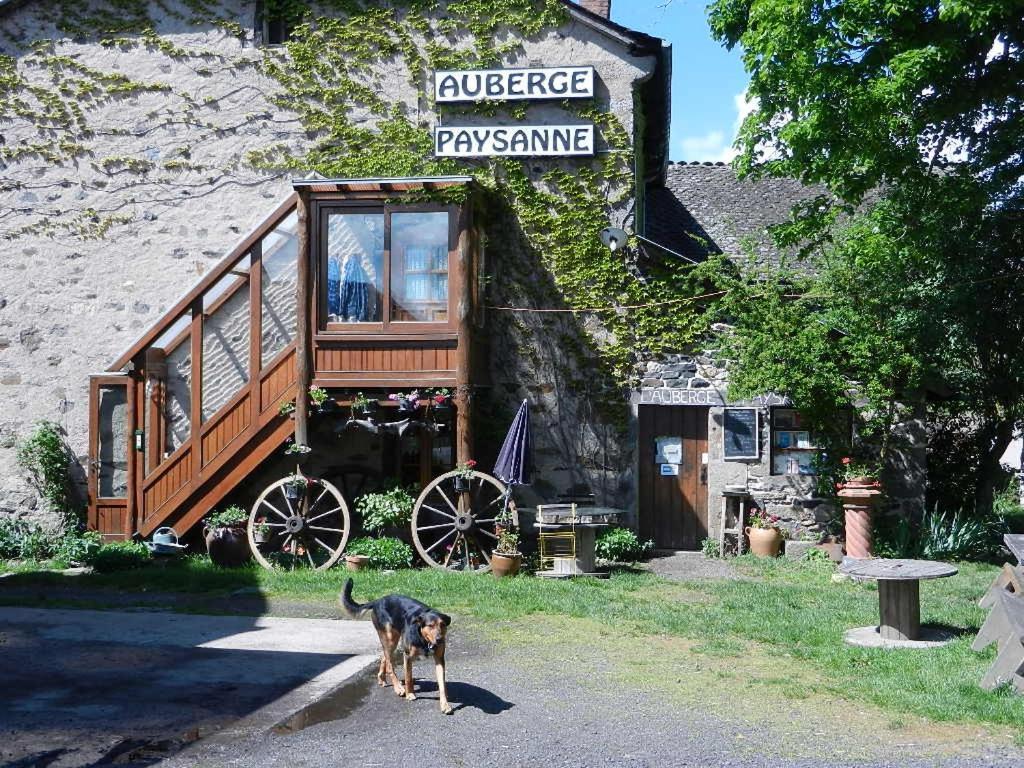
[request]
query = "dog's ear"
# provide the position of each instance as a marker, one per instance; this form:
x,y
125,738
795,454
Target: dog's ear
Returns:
x,y
445,618
419,620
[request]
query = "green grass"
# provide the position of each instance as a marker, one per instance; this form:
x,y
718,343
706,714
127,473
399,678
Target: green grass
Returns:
x,y
790,616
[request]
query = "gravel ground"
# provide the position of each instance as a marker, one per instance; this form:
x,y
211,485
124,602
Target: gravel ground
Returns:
x,y
690,566
526,708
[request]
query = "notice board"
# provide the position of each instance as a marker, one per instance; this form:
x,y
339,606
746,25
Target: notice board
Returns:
x,y
741,435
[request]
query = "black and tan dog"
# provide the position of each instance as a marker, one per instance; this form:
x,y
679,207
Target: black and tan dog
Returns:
x,y
418,630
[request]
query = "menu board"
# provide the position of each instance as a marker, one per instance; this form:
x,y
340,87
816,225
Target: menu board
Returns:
x,y
741,439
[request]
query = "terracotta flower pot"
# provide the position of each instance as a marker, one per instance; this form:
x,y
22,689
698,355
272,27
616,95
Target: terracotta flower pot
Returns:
x,y
764,542
357,562
505,565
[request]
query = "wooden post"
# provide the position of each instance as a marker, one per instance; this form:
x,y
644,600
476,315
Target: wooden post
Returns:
x,y
899,607
463,353
255,332
196,429
156,371
303,335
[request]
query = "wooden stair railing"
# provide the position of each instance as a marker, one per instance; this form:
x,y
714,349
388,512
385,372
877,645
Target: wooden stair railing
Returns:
x,y
180,488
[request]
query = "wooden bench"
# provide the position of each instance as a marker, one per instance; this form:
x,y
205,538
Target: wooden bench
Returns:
x,y
1010,579
1005,627
1015,543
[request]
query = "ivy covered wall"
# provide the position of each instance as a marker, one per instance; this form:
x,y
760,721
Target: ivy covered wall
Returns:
x,y
142,138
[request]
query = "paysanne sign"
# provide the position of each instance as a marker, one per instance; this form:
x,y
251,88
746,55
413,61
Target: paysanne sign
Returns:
x,y
513,140
513,84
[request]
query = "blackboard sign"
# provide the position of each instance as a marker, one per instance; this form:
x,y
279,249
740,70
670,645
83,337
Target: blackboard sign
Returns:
x,y
742,436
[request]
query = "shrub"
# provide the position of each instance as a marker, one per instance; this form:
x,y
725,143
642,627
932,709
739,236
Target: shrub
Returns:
x,y
385,552
940,535
78,548
45,456
711,548
391,508
621,545
120,556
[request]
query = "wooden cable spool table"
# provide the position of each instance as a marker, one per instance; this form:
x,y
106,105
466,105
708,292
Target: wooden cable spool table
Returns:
x,y
899,599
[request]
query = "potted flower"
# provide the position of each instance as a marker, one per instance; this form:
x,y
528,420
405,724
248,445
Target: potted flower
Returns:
x,y
407,402
764,535
363,406
318,398
295,487
286,408
261,531
506,558
225,537
441,401
464,476
298,451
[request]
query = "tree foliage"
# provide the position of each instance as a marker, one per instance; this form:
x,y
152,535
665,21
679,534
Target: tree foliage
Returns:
x,y
909,113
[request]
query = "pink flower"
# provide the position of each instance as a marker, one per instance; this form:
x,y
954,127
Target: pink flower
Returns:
x,y
847,460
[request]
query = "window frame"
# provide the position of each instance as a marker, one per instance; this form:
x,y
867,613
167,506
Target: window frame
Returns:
x,y
323,209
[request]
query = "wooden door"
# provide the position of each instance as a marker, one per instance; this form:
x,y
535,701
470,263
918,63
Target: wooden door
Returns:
x,y
111,455
673,507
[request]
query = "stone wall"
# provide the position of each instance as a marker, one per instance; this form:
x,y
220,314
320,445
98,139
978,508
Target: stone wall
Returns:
x,y
124,178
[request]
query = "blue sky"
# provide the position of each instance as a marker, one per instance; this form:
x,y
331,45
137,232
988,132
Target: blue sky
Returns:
x,y
707,81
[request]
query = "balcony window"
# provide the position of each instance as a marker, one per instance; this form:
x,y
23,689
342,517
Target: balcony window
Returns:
x,y
384,269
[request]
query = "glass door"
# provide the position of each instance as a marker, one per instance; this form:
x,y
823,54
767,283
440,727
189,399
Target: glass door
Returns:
x,y
111,453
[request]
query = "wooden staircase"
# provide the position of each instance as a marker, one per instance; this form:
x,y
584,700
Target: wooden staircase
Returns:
x,y
191,408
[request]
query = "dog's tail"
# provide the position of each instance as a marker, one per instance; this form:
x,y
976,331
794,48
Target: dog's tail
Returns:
x,y
352,608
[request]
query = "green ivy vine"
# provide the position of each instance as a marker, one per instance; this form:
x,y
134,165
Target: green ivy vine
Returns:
x,y
329,74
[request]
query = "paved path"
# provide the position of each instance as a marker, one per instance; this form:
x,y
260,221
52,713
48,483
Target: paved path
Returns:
x,y
80,687
516,707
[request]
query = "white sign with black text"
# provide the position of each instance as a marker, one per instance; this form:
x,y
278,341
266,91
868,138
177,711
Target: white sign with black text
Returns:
x,y
514,141
513,84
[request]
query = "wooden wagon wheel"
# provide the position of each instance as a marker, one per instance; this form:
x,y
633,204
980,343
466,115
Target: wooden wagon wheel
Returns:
x,y
455,529
303,526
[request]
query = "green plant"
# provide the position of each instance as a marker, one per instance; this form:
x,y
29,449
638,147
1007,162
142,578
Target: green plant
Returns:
x,y
317,395
297,449
621,545
46,457
77,548
386,508
286,408
384,552
710,547
815,555
362,403
120,556
230,517
940,535
508,542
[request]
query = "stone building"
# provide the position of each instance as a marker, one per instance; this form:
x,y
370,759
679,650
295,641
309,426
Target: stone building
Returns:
x,y
175,143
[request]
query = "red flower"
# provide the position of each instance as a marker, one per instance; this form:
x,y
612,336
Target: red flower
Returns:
x,y
847,460
471,463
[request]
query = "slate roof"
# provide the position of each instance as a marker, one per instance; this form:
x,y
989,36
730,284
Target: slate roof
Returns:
x,y
703,209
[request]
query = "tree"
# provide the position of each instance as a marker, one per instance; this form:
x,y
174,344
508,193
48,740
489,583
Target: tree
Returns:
x,y
910,112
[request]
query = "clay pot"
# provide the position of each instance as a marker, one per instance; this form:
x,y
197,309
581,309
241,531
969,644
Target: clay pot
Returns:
x,y
357,562
228,547
505,565
764,542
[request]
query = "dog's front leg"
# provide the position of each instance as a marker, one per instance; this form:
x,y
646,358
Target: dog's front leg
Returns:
x,y
409,695
442,690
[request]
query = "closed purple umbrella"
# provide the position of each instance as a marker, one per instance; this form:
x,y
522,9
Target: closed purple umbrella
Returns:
x,y
515,459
